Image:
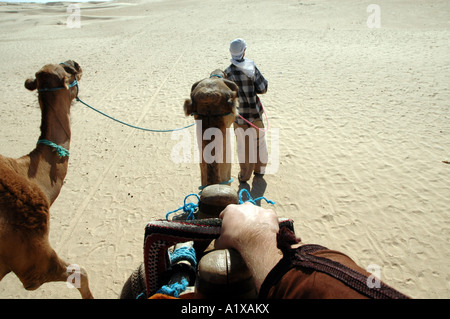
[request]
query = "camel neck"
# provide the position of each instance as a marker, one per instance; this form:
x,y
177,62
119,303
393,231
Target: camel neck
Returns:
x,y
55,121
46,167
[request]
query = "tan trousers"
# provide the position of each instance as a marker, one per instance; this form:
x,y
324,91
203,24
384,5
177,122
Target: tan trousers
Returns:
x,y
251,148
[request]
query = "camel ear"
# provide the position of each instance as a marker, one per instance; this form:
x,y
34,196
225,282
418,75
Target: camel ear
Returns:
x,y
233,86
73,68
31,84
78,68
194,86
189,107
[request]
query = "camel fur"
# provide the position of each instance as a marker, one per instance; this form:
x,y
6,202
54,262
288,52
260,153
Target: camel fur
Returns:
x,y
30,184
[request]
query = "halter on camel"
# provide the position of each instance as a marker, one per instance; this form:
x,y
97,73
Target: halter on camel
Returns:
x,y
74,83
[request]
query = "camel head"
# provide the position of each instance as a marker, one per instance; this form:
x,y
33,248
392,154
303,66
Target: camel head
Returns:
x,y
57,86
215,96
56,77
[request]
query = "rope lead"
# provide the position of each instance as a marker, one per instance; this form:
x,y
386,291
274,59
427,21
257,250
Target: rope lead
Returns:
x,y
250,199
130,125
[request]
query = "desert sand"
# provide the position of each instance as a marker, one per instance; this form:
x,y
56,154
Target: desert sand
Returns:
x,y
359,114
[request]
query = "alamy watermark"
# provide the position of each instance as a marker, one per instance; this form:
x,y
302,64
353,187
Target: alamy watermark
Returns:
x,y
213,152
220,147
74,18
374,19
374,281
74,278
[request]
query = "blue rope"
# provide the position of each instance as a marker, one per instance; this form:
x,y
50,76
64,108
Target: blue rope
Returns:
x,y
184,253
187,207
62,152
141,295
130,125
174,289
250,199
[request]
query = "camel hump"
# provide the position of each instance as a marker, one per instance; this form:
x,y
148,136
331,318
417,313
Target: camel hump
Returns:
x,y
22,202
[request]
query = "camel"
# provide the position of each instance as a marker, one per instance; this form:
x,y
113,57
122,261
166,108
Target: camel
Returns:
x,y
214,104
30,184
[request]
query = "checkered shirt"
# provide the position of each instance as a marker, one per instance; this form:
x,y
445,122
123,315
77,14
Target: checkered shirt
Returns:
x,y
249,104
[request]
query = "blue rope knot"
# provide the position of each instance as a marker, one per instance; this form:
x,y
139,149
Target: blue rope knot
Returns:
x,y
250,199
174,289
62,152
188,208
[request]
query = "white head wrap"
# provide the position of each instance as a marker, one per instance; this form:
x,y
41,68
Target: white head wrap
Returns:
x,y
237,49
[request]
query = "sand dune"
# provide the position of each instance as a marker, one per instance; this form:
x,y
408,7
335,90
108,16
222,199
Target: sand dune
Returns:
x,y
359,118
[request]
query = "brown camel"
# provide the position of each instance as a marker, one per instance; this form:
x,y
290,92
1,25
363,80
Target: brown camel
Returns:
x,y
30,184
214,104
